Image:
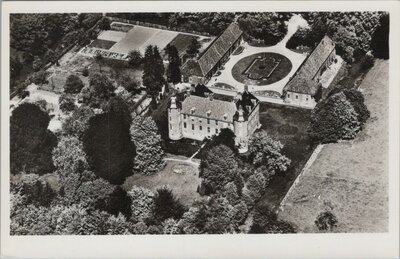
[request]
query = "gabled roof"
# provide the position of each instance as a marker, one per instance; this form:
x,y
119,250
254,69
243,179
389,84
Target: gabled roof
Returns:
x,y
313,63
203,105
191,68
217,49
303,81
302,86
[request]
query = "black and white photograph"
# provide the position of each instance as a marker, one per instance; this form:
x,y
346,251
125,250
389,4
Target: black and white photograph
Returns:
x,y
221,123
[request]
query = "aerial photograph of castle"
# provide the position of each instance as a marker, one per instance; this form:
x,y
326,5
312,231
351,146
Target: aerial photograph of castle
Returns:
x,y
198,123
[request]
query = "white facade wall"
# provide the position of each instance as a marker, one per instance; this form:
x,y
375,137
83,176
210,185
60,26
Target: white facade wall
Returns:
x,y
300,100
198,128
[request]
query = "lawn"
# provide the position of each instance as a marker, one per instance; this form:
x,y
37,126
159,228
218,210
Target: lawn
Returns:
x,y
289,126
182,41
101,44
180,176
352,176
261,68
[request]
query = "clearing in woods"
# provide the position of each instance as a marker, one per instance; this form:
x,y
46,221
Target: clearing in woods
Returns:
x,y
350,177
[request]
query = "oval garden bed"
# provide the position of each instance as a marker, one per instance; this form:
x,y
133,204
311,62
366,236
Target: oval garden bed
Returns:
x,y
262,68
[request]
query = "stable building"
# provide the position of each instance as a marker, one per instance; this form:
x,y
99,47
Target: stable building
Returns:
x,y
304,89
199,71
202,116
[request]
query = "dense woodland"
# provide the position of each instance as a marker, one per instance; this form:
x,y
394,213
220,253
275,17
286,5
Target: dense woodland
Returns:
x,y
70,182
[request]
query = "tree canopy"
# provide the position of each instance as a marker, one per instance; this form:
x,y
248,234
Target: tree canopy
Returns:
x,y
31,143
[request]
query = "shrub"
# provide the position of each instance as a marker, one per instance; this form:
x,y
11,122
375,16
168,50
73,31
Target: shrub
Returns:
x,y
73,84
326,221
66,103
166,205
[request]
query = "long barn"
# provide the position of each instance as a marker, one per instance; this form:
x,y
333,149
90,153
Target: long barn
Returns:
x,y
199,71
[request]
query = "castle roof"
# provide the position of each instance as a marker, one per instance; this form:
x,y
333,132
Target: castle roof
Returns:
x,y
207,108
303,82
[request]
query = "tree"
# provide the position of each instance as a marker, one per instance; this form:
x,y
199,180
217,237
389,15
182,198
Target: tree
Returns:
x,y
149,154
256,185
218,167
266,221
109,147
356,99
15,67
265,154
189,222
99,59
380,38
230,193
166,205
66,103
69,157
193,47
326,221
73,84
334,119
50,56
105,24
219,213
130,84
37,63
135,58
173,71
38,78
35,190
77,123
100,90
31,142
170,227
142,203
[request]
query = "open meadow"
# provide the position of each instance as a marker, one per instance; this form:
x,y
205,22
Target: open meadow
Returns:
x,y
351,177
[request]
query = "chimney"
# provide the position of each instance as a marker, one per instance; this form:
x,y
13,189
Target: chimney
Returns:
x,y
188,92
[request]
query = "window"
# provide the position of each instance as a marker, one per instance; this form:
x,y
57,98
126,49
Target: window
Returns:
x,y
288,95
297,97
169,117
306,98
208,129
170,126
208,121
184,116
192,126
200,128
216,131
216,122
184,125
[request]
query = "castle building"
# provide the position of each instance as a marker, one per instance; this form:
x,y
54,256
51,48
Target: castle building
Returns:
x,y
304,89
199,71
198,117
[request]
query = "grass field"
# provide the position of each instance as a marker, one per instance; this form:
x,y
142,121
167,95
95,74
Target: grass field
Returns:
x,y
181,42
181,177
351,176
289,126
140,37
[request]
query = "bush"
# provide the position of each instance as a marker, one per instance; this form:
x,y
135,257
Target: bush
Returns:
x,y
326,221
356,99
368,61
166,205
334,119
66,103
73,84
135,58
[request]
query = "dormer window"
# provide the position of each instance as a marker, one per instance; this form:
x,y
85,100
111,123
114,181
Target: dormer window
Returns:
x,y
192,110
208,113
225,116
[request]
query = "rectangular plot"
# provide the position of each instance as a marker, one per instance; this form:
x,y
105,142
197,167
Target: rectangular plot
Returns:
x,y
134,39
112,35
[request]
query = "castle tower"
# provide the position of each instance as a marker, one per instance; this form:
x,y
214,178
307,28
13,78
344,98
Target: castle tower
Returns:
x,y
174,120
241,131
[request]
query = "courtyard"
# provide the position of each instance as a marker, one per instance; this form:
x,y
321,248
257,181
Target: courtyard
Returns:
x,y
233,72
